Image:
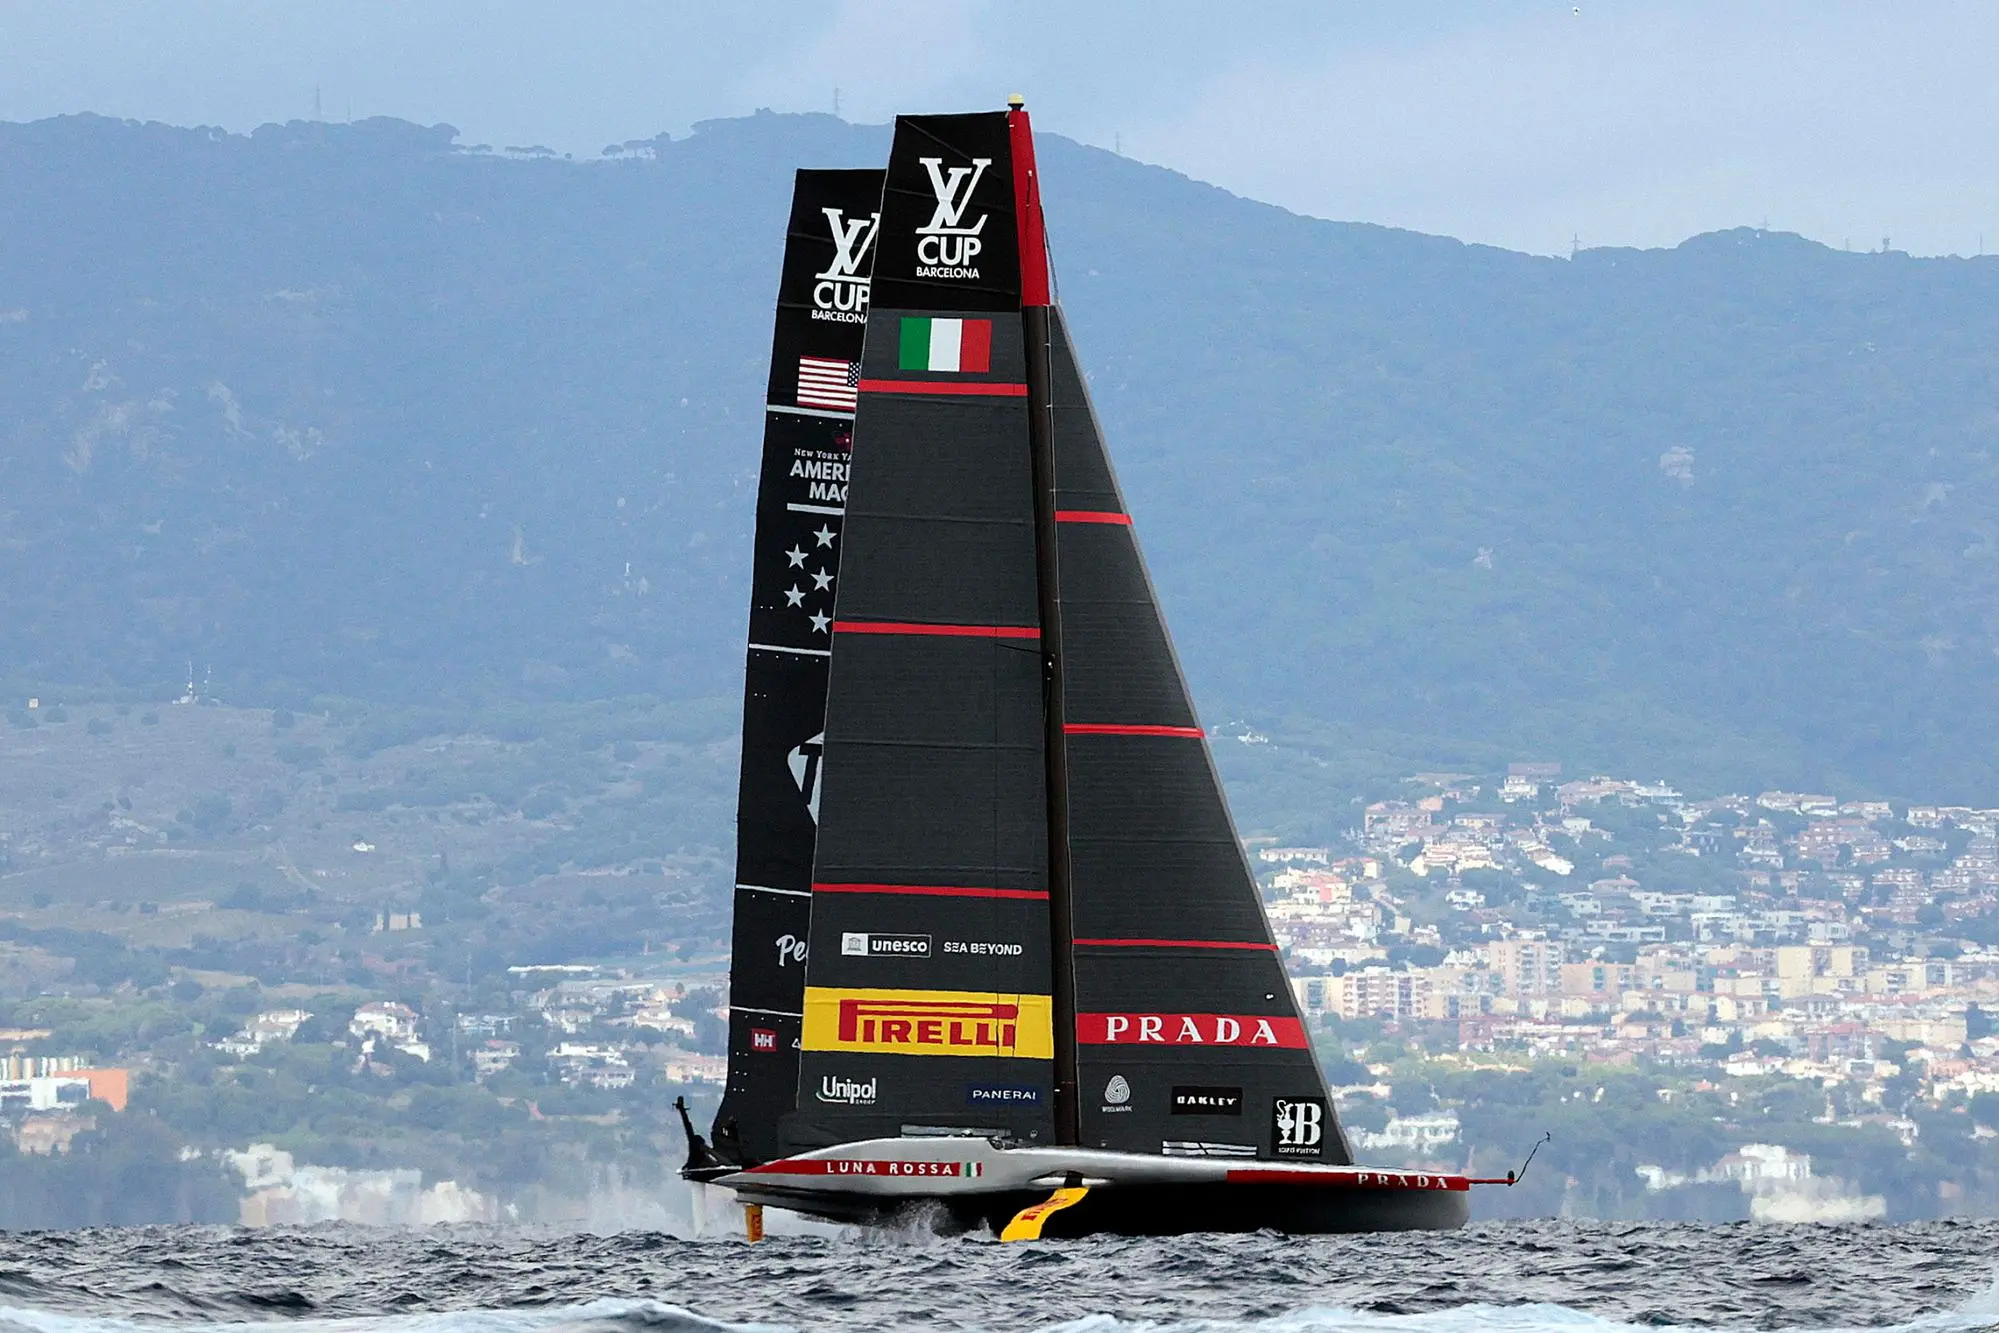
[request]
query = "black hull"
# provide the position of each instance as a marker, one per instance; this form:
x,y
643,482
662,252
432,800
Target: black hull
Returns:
x,y
1162,1210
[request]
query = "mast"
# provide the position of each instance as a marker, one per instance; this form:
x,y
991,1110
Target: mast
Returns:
x,y
1034,299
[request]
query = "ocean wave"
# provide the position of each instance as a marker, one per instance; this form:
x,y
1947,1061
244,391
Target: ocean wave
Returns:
x,y
1515,1278
600,1316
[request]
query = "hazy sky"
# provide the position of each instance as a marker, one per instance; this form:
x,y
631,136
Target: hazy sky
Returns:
x,y
1518,124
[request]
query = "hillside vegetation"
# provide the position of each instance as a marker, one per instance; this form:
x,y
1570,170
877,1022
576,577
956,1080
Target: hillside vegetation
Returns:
x,y
354,415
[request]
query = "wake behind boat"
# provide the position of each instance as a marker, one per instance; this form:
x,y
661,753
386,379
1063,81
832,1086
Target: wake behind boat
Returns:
x,y
997,949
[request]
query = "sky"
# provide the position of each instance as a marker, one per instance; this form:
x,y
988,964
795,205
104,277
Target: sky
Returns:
x,y
1534,126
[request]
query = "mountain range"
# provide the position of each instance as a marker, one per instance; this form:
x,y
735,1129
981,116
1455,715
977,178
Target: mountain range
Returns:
x,y
359,412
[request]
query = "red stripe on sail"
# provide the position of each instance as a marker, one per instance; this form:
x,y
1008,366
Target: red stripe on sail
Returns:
x,y
1128,729
987,390
931,890
1092,516
1179,944
1027,210
1238,1030
951,631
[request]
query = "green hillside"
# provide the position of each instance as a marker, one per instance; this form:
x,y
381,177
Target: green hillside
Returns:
x,y
354,411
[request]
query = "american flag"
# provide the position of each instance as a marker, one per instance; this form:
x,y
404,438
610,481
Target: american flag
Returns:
x,y
824,383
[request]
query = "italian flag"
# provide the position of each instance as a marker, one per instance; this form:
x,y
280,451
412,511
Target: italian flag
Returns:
x,y
946,344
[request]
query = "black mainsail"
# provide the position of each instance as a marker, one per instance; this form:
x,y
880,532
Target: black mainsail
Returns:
x,y
928,999
808,436
1031,916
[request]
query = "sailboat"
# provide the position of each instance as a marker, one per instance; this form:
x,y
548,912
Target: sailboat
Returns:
x,y
998,954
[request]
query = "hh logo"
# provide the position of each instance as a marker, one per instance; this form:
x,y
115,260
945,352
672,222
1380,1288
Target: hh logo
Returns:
x,y
843,286
922,1022
1298,1126
947,247
763,1039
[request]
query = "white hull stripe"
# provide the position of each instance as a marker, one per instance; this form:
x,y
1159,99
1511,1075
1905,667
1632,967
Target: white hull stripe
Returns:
x,y
773,1013
834,510
765,888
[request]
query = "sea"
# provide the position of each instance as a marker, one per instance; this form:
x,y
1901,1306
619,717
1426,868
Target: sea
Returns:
x,y
1521,1277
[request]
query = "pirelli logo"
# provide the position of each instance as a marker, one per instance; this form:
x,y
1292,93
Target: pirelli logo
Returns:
x,y
929,1022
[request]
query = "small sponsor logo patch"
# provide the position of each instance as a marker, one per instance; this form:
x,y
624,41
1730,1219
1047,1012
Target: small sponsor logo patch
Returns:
x,y
1298,1126
1207,1101
1003,1094
1117,1095
857,944
837,1091
763,1039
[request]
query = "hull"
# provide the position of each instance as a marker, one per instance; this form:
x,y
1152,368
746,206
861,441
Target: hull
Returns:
x,y
966,1184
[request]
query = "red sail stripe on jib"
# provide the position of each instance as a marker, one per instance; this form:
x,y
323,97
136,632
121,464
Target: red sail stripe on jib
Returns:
x,y
1092,516
1143,1029
1130,729
931,890
1179,944
952,388
948,631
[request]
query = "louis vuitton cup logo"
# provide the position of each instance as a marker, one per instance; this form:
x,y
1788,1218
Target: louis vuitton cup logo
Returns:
x,y
803,761
948,246
841,291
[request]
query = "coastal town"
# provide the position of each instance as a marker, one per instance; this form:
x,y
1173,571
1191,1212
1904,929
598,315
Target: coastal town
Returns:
x,y
1619,920
1724,955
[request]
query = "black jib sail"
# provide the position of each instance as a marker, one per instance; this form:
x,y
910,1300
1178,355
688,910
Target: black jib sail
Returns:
x,y
808,434
1188,1037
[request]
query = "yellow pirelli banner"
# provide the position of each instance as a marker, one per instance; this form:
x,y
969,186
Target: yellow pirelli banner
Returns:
x,y
929,1022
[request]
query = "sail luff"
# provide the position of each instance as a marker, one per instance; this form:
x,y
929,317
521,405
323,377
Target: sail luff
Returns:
x,y
1048,589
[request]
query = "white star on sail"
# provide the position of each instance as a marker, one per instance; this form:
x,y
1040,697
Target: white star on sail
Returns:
x,y
821,581
820,620
794,596
796,557
825,535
